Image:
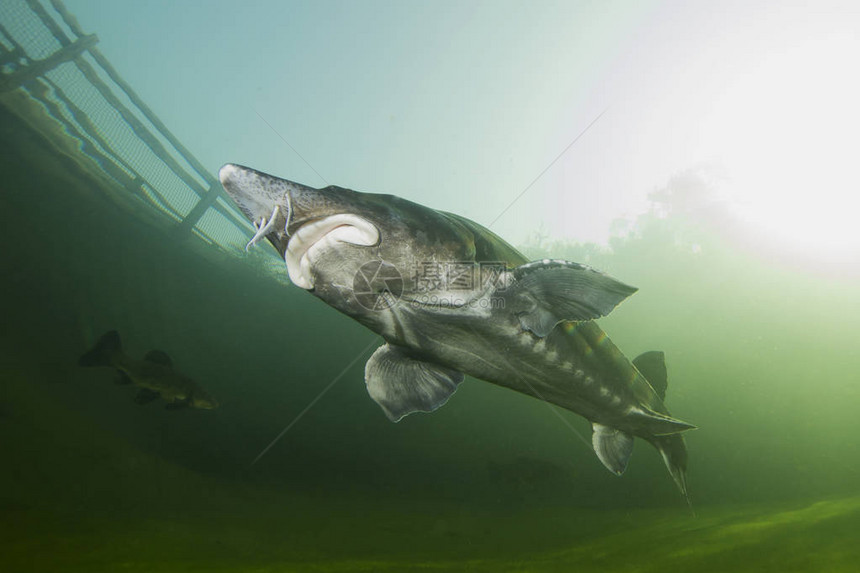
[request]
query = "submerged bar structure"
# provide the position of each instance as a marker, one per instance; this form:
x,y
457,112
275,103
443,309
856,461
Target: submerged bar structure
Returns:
x,y
51,71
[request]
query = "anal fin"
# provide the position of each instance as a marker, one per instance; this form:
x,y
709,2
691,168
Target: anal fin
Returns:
x,y
612,446
402,384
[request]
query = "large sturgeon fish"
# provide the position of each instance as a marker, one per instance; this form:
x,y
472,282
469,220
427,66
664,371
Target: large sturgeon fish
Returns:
x,y
449,298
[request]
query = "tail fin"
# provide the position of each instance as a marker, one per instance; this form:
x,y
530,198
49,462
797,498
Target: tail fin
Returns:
x,y
665,430
102,353
674,452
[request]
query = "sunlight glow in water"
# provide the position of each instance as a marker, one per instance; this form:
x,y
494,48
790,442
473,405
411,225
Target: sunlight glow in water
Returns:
x,y
787,131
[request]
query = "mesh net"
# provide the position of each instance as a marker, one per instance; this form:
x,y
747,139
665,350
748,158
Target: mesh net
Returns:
x,y
111,129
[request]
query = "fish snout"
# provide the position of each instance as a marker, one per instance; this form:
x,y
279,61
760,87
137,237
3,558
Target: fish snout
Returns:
x,y
263,199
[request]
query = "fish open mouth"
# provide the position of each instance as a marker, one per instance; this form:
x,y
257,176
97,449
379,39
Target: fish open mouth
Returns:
x,y
323,233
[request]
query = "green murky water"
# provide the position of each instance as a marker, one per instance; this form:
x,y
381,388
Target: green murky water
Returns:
x,y
761,352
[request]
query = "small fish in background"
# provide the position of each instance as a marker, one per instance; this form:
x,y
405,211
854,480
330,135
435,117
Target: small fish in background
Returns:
x,y
154,375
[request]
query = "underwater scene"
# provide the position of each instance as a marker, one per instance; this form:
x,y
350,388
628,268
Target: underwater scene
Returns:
x,y
441,286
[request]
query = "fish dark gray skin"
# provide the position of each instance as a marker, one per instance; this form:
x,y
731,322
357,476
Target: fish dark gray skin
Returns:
x,y
449,298
154,375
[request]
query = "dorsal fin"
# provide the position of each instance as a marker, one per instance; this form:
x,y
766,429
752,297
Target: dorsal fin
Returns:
x,y
652,365
159,357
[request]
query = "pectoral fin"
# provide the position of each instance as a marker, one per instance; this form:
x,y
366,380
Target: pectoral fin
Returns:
x,y
612,446
544,293
402,384
145,396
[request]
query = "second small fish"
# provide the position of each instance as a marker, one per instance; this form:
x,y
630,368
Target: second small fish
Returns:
x,y
154,375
